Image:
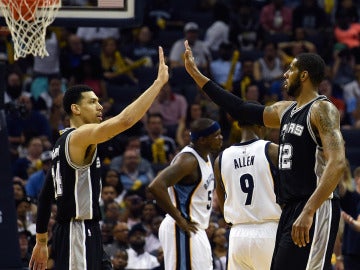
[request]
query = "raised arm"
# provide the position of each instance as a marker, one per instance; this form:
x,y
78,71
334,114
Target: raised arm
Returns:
x,y
326,121
184,165
235,106
97,133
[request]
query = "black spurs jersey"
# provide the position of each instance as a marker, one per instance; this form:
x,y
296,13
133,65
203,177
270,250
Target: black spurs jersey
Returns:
x,y
301,158
77,189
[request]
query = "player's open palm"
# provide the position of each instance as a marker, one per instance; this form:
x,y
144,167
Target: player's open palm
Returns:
x,y
189,59
39,257
300,232
163,73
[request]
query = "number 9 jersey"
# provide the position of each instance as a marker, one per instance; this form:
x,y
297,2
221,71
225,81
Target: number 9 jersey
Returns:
x,y
248,178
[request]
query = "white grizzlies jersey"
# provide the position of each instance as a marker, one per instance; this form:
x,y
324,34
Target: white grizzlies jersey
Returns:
x,y
246,173
195,201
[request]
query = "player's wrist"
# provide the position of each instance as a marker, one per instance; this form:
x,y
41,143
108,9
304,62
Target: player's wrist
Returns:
x,y
42,238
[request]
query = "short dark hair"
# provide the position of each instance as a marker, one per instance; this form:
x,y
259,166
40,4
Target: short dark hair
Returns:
x,y
313,64
73,96
154,115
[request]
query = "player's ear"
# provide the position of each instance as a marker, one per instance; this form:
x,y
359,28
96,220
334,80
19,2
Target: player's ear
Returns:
x,y
304,75
75,109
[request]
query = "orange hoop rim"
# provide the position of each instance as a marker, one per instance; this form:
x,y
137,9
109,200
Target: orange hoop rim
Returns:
x,y
26,9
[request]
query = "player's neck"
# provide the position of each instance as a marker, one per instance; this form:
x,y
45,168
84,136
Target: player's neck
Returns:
x,y
202,152
248,135
306,97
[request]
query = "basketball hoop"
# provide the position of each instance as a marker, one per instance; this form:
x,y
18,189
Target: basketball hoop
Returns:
x,y
27,21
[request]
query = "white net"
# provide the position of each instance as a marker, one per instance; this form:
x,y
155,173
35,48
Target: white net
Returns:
x,y
27,21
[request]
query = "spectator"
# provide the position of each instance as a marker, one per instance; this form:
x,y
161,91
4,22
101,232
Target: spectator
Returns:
x,y
57,118
218,32
288,50
244,26
143,46
25,214
276,18
14,86
246,77
93,37
343,66
172,108
36,180
19,191
32,159
120,259
349,8
268,68
133,143
156,147
133,205
48,65
131,177
112,178
252,92
201,53
116,67
159,254
70,56
226,69
120,235
45,100
108,195
149,212
194,111
347,32
219,248
152,242
29,123
25,247
112,212
90,75
106,232
310,17
350,204
139,259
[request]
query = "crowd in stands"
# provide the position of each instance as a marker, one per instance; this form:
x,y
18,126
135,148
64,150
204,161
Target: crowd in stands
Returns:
x,y
243,45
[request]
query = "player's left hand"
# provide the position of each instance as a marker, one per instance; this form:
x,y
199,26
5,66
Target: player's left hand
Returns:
x,y
300,232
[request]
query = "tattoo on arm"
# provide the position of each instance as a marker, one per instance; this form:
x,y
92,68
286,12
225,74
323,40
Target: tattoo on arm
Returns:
x,y
328,123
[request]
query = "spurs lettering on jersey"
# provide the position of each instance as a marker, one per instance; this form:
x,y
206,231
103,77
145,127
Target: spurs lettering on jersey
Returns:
x,y
292,128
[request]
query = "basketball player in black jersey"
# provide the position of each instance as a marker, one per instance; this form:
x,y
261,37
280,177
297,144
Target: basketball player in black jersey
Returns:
x,y
311,160
75,181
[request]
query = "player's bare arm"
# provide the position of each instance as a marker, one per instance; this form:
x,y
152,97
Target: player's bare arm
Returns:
x,y
325,117
92,134
325,120
182,169
220,190
272,114
273,152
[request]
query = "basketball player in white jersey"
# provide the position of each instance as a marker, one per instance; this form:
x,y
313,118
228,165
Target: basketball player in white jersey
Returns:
x,y
184,190
244,174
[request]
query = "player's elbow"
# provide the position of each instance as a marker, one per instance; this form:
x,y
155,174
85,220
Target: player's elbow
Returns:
x,y
152,188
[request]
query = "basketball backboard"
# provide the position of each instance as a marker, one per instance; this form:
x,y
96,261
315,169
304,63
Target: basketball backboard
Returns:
x,y
112,13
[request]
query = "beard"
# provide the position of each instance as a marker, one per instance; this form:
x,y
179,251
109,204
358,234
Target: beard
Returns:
x,y
294,87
